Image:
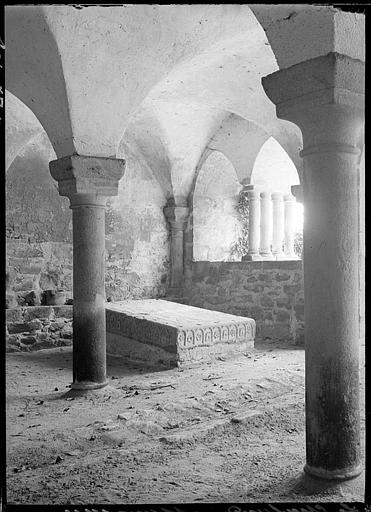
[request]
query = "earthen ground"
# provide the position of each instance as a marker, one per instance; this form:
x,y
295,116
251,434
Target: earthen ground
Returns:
x,y
227,431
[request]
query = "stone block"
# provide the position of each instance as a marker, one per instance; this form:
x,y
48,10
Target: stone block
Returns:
x,y
65,311
17,327
282,315
27,265
42,336
42,344
14,315
283,302
55,297
291,289
175,331
28,340
33,298
10,301
251,279
257,288
34,325
66,335
280,276
59,323
266,301
40,312
13,339
20,249
26,283
266,277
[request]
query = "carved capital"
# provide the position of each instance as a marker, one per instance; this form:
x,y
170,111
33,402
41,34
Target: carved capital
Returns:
x,y
333,79
297,192
177,216
324,96
87,179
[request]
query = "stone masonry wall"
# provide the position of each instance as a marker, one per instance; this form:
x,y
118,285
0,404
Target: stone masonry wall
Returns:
x,y
38,327
270,292
39,232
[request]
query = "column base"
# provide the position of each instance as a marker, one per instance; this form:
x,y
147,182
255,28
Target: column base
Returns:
x,y
280,256
337,474
81,386
267,256
251,257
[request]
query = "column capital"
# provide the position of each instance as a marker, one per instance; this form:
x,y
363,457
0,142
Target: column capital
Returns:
x,y
266,194
324,96
277,196
177,216
297,192
332,79
251,190
87,179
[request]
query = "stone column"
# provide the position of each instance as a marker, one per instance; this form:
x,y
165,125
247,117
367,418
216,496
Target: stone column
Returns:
x,y
278,225
253,195
87,182
177,216
325,98
289,227
266,226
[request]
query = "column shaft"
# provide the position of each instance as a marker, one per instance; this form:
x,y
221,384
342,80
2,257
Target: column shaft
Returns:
x,y
289,227
89,315
254,225
331,314
177,217
177,257
278,225
266,226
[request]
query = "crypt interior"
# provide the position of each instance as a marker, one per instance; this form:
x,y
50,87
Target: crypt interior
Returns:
x,y
185,248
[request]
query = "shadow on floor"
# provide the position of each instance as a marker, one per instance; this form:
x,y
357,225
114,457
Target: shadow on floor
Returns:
x,y
61,358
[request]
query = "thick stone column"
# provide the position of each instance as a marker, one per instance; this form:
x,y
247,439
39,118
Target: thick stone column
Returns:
x,y
254,223
177,217
278,225
325,98
88,181
289,227
266,226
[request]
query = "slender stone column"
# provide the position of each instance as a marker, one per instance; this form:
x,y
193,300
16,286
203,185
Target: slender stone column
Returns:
x,y
289,227
266,226
278,226
254,223
177,217
88,181
325,98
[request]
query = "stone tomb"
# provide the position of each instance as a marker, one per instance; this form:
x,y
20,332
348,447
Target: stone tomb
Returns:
x,y
160,331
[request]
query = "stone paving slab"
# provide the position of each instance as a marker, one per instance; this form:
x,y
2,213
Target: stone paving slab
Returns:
x,y
159,330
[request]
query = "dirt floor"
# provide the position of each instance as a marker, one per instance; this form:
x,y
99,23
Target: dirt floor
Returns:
x,y
226,432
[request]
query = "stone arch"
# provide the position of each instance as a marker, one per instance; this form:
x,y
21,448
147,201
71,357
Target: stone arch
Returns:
x,y
274,166
22,128
214,217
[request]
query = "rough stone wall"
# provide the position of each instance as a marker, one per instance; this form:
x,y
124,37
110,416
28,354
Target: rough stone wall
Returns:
x,y
137,237
38,327
270,292
39,231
